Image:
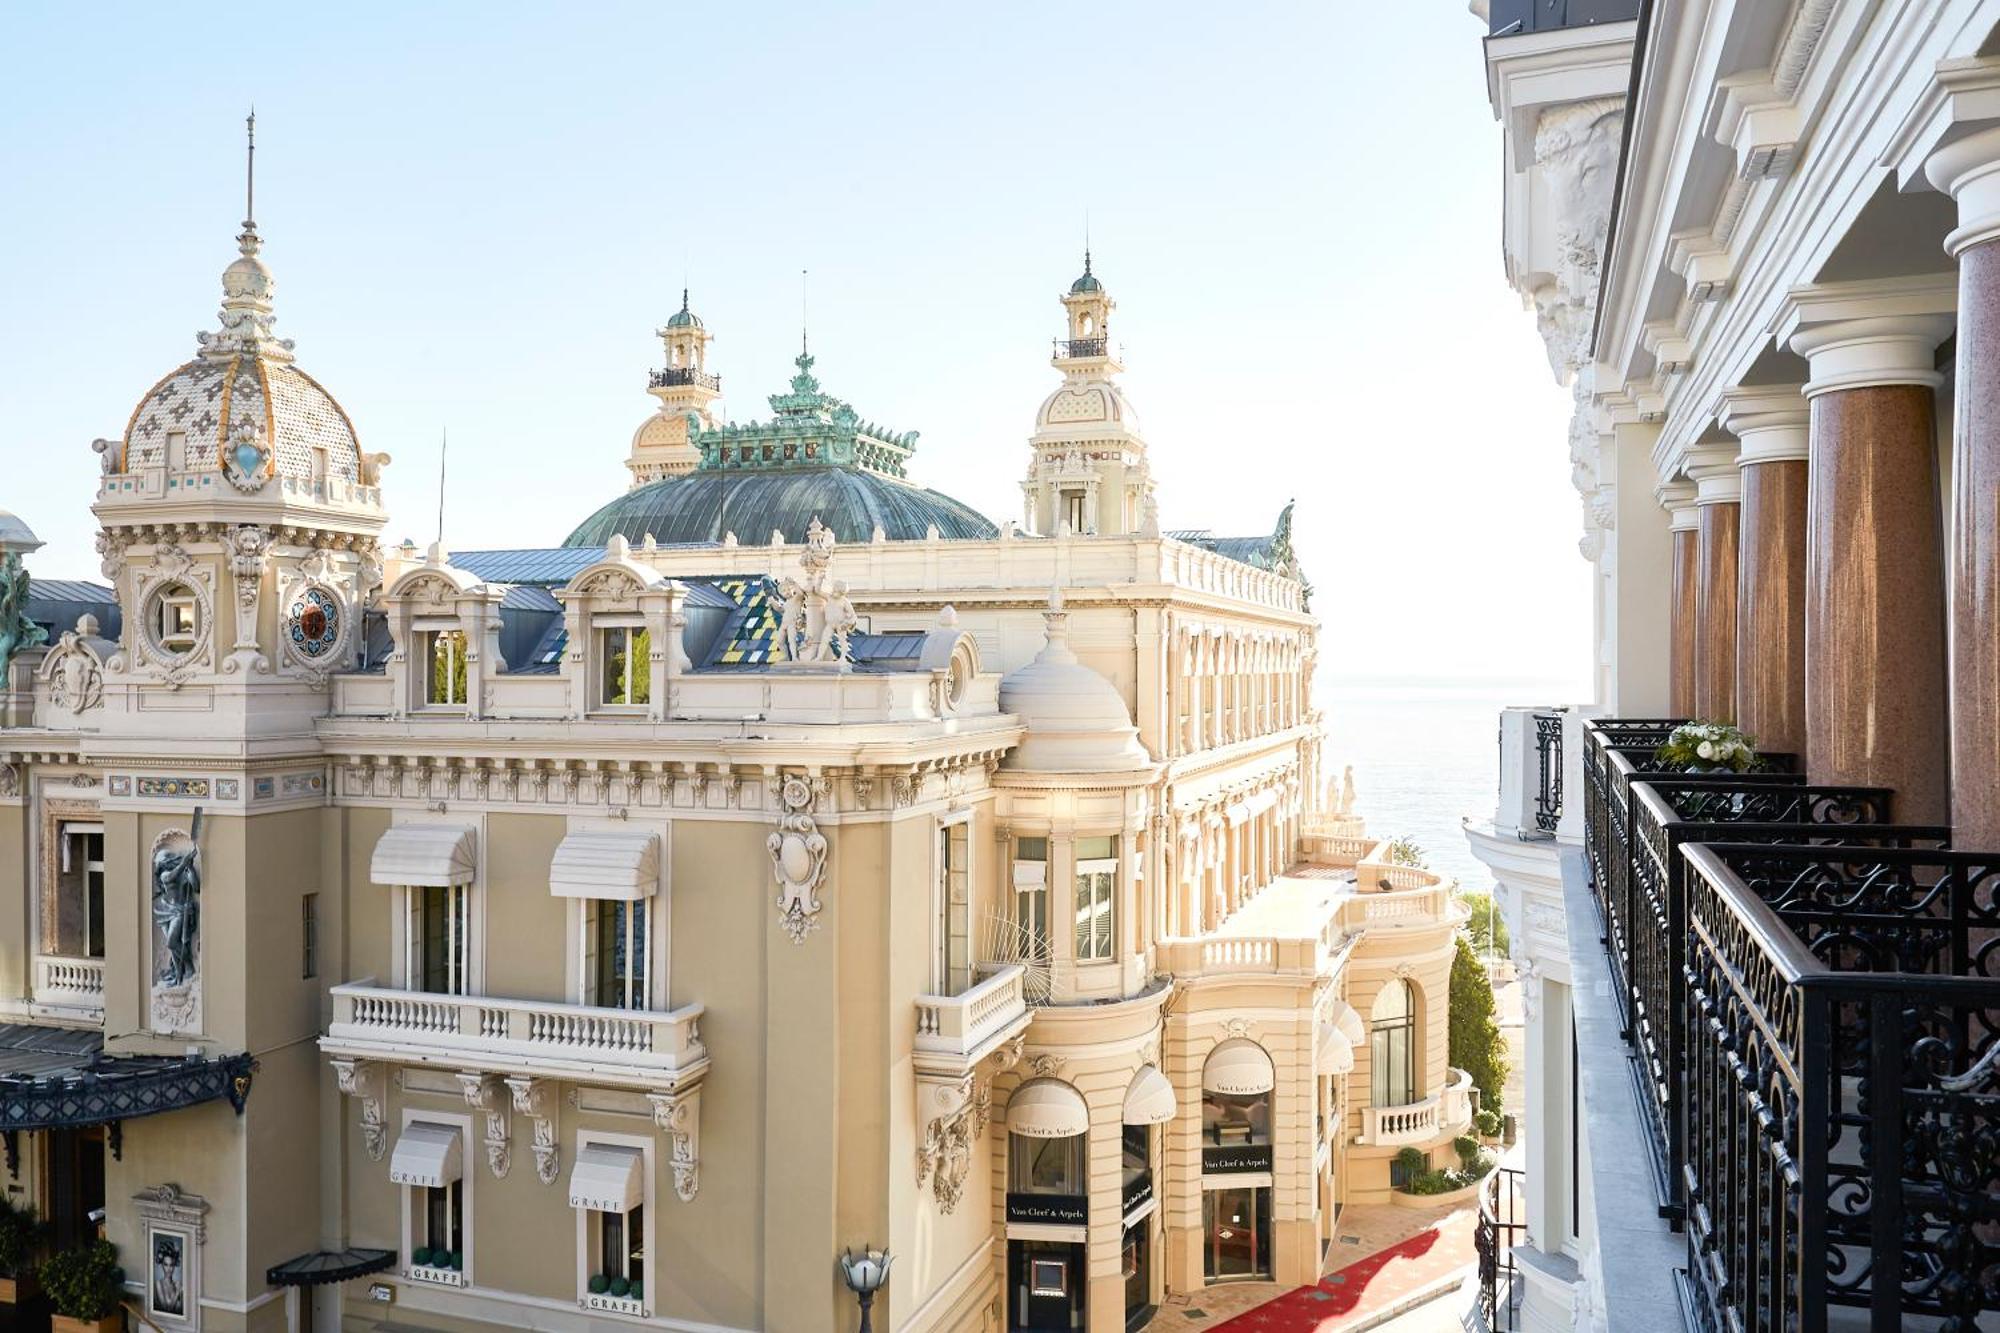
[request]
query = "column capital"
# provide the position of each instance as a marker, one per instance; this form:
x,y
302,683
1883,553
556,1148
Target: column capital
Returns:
x,y
1862,334
1968,170
1716,478
1771,421
1677,498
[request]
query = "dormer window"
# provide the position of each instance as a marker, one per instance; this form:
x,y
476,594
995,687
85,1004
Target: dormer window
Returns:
x,y
443,652
625,657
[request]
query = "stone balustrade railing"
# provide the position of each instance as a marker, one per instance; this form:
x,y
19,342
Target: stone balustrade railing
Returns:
x,y
75,982
640,1047
1222,955
964,1023
1445,1113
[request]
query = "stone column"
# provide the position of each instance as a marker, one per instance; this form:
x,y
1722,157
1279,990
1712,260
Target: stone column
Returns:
x,y
1771,565
1875,656
1677,499
1717,496
1970,170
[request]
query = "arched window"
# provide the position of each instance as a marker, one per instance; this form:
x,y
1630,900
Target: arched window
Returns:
x,y
1392,1045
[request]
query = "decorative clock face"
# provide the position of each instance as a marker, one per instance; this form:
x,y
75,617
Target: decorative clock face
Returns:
x,y
314,622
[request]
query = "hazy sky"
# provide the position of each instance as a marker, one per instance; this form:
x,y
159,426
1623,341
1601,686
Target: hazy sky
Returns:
x,y
478,214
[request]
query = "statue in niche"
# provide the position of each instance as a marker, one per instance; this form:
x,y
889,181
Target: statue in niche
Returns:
x,y
177,910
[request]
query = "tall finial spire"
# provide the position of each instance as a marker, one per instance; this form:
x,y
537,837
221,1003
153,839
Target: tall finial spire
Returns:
x,y
250,171
1086,242
684,300
804,347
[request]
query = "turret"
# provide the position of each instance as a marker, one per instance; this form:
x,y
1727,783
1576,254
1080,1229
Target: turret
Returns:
x,y
662,446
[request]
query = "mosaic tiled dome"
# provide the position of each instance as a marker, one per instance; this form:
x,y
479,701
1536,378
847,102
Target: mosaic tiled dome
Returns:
x,y
207,396
1084,403
701,506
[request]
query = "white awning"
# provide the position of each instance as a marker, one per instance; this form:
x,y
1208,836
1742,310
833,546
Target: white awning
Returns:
x,y
1031,874
1045,1108
607,1178
606,865
1262,801
1336,1052
1342,1016
424,854
426,1154
1237,812
1238,1067
1150,1100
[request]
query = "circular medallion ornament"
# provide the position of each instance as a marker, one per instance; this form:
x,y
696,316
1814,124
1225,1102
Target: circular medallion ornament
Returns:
x,y
313,623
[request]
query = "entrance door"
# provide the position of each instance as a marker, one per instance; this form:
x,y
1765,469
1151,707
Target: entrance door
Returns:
x,y
74,1183
1238,1224
1137,1263
1046,1281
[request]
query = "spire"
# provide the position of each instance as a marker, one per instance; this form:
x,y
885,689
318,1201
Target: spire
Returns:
x,y
247,284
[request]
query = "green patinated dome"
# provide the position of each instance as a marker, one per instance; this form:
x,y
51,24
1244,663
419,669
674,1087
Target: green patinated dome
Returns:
x,y
1088,282
702,505
684,318
815,458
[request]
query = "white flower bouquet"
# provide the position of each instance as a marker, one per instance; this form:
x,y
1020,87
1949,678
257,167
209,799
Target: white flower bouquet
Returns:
x,y
1707,747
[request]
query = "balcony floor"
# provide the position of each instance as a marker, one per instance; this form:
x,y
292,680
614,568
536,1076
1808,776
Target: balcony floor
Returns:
x,y
1295,905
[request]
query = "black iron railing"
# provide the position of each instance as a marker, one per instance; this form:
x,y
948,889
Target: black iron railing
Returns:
x,y
674,377
1842,1131
1507,18
1502,1223
1549,771
1071,348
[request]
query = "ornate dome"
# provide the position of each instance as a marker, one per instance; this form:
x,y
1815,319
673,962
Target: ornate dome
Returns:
x,y
702,505
1087,403
207,398
684,318
1088,282
1076,719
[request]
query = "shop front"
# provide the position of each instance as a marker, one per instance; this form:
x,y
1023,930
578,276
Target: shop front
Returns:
x,y
1048,1213
1236,1162
1149,1103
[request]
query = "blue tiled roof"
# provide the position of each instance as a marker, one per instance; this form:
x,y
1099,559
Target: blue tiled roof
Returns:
x,y
544,565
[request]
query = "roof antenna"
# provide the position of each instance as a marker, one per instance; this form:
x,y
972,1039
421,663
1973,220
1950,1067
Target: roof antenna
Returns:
x,y
444,450
1086,240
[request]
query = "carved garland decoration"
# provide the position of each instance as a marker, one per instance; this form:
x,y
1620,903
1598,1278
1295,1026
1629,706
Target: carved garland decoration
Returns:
x,y
798,856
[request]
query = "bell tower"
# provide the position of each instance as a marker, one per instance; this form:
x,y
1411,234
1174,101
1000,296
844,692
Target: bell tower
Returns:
x,y
662,447
1087,475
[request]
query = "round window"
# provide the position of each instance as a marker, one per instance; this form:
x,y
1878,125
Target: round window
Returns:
x,y
313,622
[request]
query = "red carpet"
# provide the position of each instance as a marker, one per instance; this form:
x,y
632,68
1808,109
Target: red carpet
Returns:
x,y
1375,1283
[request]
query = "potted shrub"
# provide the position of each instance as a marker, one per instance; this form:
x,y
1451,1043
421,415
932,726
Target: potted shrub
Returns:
x,y
86,1286
1709,747
21,1237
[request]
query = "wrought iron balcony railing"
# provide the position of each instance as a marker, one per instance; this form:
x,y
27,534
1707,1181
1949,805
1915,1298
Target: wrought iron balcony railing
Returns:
x,y
675,377
1548,770
1842,1129
1069,349
1502,1225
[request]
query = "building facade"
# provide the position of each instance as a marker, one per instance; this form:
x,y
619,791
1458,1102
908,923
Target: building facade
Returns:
x,y
1757,239
610,934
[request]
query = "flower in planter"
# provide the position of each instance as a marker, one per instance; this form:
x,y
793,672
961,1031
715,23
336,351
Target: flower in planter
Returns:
x,y
1707,746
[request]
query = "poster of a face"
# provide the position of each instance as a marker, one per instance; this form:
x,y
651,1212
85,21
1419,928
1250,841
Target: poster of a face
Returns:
x,y
169,1281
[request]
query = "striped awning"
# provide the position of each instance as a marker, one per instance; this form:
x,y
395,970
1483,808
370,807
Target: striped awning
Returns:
x,y
427,1154
606,865
424,855
607,1178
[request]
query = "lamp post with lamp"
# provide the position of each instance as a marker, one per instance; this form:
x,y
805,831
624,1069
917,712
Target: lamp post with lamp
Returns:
x,y
864,1274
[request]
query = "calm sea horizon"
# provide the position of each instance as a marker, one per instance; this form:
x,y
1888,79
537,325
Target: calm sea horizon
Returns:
x,y
1426,754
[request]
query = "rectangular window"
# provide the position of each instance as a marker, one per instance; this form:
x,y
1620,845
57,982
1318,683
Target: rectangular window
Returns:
x,y
444,652
621,1247
1096,897
438,932
626,671
1031,893
1073,510
615,953
444,1222
180,621
309,936
79,903
954,898
1045,1166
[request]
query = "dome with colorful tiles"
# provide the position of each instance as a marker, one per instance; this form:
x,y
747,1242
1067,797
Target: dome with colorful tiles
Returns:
x,y
242,406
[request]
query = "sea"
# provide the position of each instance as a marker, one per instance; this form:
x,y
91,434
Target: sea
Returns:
x,y
1426,754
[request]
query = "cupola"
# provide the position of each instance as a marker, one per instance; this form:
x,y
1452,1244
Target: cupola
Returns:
x,y
1076,720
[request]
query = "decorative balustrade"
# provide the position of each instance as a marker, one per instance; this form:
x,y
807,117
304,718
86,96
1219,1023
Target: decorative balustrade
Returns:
x,y
1221,955
1069,349
967,1026
673,377
76,983
638,1046
1842,1085
1445,1113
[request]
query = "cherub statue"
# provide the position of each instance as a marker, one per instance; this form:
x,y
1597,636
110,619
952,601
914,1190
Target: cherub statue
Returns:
x,y
792,625
840,620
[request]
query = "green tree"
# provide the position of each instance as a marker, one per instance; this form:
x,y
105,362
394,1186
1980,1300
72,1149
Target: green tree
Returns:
x,y
1485,925
1475,1042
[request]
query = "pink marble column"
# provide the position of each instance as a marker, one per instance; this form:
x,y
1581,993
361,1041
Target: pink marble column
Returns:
x,y
1875,655
1970,171
1718,521
1771,424
1681,525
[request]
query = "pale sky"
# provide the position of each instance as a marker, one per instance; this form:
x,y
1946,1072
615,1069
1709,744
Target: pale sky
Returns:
x,y
477,215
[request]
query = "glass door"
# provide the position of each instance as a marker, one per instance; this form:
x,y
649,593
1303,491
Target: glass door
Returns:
x,y
1238,1226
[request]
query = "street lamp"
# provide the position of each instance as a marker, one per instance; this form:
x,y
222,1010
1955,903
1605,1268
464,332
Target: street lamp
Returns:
x,y
864,1274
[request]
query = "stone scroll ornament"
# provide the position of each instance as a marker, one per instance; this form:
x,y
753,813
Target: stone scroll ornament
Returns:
x,y
798,858
176,988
